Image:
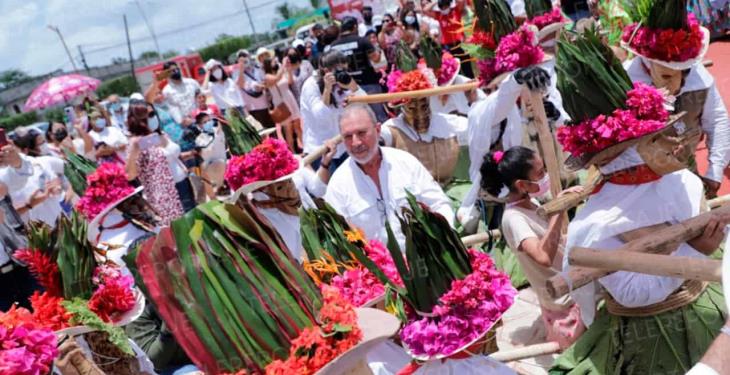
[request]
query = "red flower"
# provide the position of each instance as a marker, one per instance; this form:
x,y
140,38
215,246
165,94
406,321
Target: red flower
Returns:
x,y
43,269
666,44
48,311
114,295
268,161
482,39
106,184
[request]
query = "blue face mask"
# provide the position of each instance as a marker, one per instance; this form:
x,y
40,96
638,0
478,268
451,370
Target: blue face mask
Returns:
x,y
153,124
99,124
209,126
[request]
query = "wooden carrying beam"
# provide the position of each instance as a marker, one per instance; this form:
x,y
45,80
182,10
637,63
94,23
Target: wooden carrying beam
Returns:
x,y
389,97
570,200
657,241
529,351
320,151
479,238
651,264
547,141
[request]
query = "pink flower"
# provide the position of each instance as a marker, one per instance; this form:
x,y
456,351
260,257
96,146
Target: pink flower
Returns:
x,y
114,295
666,44
26,350
516,50
393,79
268,161
449,67
466,311
548,18
107,184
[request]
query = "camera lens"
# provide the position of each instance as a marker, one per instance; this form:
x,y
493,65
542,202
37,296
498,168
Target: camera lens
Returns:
x,y
342,77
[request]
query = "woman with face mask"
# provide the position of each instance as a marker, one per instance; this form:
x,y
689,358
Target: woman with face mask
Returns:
x,y
411,28
278,78
516,177
154,161
221,87
59,140
390,36
109,142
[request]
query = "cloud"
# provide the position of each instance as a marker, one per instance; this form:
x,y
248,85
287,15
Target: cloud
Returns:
x,y
26,43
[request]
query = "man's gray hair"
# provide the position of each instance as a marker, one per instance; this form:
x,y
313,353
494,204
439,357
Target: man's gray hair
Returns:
x,y
351,109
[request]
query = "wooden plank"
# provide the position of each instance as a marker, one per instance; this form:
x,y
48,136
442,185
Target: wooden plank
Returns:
x,y
547,141
319,152
436,91
479,238
529,351
687,268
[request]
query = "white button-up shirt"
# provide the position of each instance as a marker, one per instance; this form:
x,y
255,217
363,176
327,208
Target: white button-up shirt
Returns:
x,y
45,169
180,97
714,120
226,94
319,121
355,196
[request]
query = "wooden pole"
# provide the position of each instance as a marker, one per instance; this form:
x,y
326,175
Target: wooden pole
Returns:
x,y
479,238
529,351
320,151
719,201
570,200
547,142
651,264
436,91
659,241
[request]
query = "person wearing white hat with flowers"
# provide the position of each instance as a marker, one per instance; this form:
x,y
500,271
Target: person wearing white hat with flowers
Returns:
x,y
678,68
218,84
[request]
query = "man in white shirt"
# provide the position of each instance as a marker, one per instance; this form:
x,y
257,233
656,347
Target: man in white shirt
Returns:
x,y
179,94
370,187
249,79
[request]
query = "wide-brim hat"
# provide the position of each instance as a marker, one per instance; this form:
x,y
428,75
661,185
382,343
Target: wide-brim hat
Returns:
x,y
264,51
257,185
451,79
124,319
573,163
376,326
677,65
93,227
544,34
212,63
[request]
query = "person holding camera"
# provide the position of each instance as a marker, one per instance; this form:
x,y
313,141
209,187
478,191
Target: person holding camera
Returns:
x,y
250,79
324,96
221,87
359,51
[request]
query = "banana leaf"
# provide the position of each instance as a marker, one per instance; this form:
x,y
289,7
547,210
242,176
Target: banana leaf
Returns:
x,y
537,7
431,52
405,61
76,169
590,78
241,136
42,237
495,17
229,288
658,14
75,257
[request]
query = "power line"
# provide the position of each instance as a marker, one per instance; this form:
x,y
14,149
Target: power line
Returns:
x,y
181,29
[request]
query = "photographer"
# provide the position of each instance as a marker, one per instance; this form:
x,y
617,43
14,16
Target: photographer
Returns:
x,y
250,80
323,99
210,144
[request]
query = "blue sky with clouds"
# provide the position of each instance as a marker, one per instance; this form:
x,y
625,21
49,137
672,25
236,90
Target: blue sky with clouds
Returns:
x,y
26,43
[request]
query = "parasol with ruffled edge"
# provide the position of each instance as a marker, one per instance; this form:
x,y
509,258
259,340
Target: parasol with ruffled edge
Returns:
x,y
58,90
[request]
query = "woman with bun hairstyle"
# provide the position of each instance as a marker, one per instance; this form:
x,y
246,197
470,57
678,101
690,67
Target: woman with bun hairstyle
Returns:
x,y
516,177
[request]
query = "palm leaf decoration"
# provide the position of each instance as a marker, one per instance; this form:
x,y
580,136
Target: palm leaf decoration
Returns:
x,y
495,17
231,292
76,169
435,256
658,14
535,8
590,78
75,257
431,52
241,136
404,58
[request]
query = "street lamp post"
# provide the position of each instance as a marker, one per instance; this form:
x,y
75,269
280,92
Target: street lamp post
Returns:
x,y
57,31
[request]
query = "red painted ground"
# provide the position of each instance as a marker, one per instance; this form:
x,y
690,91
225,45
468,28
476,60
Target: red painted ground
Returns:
x,y
719,53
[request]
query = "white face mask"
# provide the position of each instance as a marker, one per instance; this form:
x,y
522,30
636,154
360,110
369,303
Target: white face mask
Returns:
x,y
544,187
410,20
153,124
218,74
99,124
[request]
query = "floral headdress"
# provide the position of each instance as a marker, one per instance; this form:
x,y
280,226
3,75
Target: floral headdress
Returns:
x,y
268,161
665,32
605,107
450,296
105,186
409,74
444,65
542,13
498,44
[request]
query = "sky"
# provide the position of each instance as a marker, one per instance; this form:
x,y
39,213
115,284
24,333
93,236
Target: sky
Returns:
x,y
26,43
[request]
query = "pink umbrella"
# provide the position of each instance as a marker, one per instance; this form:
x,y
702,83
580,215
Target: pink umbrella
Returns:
x,y
60,90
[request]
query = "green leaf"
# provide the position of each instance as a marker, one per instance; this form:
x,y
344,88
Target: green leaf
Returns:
x,y
404,58
495,17
478,52
431,52
76,169
75,257
241,136
82,315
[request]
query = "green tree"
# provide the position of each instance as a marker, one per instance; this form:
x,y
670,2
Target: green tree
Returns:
x,y
222,37
13,77
149,55
284,11
170,54
315,3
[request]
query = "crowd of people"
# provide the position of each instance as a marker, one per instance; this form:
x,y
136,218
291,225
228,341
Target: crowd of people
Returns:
x,y
365,158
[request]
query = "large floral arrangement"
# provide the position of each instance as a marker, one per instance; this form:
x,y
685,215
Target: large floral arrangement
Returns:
x,y
357,284
517,50
464,314
666,44
104,186
268,161
644,113
316,346
548,18
25,348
